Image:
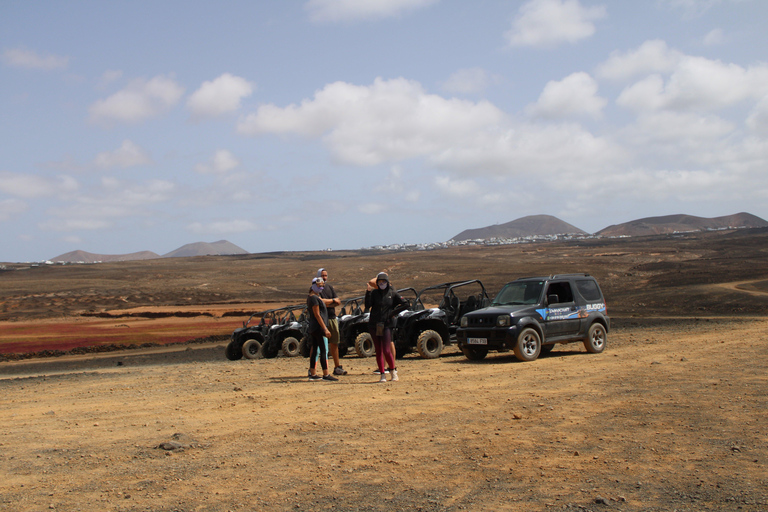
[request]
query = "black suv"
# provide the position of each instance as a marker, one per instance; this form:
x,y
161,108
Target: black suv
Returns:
x,y
532,314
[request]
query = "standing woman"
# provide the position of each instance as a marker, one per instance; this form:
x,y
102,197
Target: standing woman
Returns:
x,y
318,322
384,303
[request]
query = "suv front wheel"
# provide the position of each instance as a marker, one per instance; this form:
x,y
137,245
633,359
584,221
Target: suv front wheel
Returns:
x,y
528,346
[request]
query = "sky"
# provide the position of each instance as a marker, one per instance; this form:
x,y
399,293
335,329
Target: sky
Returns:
x,y
284,125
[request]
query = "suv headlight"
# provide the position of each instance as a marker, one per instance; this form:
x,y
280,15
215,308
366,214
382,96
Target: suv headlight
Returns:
x,y
503,321
464,322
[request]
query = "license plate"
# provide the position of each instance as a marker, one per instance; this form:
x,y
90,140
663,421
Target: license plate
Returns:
x,y
477,341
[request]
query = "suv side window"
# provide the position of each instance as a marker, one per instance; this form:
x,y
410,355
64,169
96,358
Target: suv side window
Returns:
x,y
588,289
562,290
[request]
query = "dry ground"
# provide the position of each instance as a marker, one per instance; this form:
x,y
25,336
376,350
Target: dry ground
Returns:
x,y
670,417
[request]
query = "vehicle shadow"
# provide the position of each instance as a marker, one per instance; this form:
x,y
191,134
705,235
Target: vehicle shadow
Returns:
x,y
509,357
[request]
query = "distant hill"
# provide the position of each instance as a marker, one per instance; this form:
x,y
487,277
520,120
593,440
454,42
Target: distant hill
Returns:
x,y
524,226
220,248
681,223
87,257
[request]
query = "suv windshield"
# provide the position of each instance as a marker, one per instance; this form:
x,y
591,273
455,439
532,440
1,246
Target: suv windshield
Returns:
x,y
519,292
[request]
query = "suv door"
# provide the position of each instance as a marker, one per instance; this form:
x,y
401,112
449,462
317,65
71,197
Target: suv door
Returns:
x,y
562,317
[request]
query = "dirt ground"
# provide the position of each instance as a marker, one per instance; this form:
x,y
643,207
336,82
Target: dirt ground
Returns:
x,y
670,417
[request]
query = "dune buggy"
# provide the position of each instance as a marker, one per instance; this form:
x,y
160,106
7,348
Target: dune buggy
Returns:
x,y
429,330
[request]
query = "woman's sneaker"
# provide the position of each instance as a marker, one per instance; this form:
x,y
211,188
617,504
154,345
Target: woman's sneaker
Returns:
x,y
394,375
383,378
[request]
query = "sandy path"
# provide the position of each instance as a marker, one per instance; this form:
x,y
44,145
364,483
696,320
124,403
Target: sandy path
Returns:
x,y
670,417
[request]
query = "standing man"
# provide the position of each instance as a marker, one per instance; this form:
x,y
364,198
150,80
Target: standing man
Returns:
x,y
331,300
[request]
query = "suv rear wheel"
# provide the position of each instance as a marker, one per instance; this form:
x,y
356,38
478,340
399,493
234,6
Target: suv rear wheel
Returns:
x,y
595,340
528,346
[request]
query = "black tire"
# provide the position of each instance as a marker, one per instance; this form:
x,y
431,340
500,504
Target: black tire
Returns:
x,y
305,346
270,349
474,353
364,345
234,351
528,346
290,347
429,344
596,339
252,349
546,349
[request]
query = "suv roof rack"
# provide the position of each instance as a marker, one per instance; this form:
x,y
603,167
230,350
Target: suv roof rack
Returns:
x,y
578,274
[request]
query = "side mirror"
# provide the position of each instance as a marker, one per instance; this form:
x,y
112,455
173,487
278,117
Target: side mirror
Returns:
x,y
553,299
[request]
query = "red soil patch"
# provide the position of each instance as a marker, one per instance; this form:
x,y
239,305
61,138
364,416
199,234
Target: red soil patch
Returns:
x,y
57,335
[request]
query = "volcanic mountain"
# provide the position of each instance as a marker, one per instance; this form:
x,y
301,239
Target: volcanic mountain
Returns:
x,y
220,248
525,226
682,223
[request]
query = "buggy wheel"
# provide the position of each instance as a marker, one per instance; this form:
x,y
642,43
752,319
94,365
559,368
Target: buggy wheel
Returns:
x,y
474,353
596,338
252,349
528,346
233,351
364,344
305,348
429,344
270,349
290,347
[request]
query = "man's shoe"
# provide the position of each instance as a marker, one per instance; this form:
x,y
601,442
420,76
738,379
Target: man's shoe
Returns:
x,y
339,371
377,372
330,377
315,378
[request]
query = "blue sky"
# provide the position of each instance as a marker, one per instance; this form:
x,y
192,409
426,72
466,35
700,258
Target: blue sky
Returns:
x,y
304,125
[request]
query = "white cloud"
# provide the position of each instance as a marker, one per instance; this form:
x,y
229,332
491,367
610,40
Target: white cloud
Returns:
x,y
677,136
714,37
223,227
9,208
758,118
651,57
114,200
222,161
551,22
467,81
140,100
30,186
390,120
697,84
576,94
219,96
64,224
396,184
458,188
108,77
22,58
352,10
372,208
129,154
